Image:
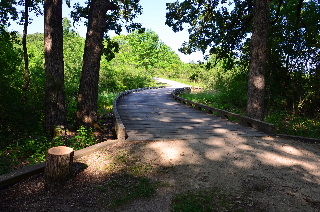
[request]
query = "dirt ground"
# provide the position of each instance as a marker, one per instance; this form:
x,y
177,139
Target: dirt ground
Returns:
x,y
263,174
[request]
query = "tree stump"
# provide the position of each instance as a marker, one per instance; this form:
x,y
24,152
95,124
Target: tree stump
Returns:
x,y
59,164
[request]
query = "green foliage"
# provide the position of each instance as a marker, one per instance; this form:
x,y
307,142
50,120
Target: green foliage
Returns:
x,y
121,15
84,138
106,100
143,50
73,47
27,151
217,100
121,78
31,151
141,56
225,88
15,118
294,124
292,98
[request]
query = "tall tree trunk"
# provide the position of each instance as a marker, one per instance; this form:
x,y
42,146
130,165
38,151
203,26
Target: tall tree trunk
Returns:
x,y
88,90
25,50
258,61
54,66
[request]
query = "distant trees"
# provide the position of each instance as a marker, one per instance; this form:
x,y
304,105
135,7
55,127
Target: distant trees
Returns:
x,y
144,49
141,56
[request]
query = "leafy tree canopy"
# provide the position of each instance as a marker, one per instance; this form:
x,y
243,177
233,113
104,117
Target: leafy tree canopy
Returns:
x,y
9,10
124,14
223,27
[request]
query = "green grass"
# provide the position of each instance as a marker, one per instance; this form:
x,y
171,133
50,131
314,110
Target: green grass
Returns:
x,y
205,201
127,181
214,100
124,188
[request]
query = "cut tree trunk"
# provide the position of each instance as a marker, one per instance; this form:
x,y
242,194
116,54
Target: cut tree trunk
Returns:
x,y
59,164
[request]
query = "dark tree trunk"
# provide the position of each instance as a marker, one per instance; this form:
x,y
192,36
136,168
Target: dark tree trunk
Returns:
x,y
55,92
88,91
258,61
25,50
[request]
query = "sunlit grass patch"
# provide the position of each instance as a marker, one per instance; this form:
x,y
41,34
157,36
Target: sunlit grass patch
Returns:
x,y
215,100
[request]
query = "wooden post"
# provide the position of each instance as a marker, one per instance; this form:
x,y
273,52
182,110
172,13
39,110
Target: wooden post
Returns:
x,y
59,164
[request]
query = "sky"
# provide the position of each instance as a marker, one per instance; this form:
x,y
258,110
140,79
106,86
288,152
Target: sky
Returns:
x,y
153,17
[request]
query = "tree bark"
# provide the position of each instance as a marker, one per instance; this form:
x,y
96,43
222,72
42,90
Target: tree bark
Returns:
x,y
25,49
88,90
59,164
258,61
55,112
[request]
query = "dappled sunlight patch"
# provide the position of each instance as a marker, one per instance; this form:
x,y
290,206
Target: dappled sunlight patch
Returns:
x,y
170,103
202,120
173,152
245,147
291,150
216,154
221,131
244,162
268,138
275,159
223,148
187,127
216,142
278,160
164,119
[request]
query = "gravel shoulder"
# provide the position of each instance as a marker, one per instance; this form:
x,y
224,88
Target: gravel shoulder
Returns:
x,y
268,174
